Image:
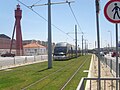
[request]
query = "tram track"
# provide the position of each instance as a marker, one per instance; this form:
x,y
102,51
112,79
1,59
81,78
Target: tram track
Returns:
x,y
63,69
66,70
73,75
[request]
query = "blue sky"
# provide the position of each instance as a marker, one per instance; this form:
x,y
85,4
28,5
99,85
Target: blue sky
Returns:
x,y
34,27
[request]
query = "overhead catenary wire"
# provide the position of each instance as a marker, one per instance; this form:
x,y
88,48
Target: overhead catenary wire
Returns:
x,y
74,16
43,18
32,10
37,2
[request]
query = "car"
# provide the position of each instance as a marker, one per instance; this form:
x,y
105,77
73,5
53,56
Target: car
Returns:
x,y
8,55
102,54
106,52
113,54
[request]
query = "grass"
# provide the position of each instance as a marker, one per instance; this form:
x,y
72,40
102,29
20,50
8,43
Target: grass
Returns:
x,y
20,77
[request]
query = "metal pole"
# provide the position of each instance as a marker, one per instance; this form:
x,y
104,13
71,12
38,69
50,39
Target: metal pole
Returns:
x,y
49,36
111,38
85,47
116,55
119,69
95,44
49,28
98,42
76,40
82,44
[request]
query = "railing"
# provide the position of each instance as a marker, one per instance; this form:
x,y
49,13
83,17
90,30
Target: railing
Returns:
x,y
106,83
92,84
111,64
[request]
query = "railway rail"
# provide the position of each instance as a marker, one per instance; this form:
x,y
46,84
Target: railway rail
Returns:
x,y
73,75
61,70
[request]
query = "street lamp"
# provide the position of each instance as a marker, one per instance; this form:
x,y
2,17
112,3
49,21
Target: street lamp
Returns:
x,y
110,38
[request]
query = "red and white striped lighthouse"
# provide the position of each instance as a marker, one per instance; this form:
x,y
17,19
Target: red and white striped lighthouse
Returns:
x,y
19,45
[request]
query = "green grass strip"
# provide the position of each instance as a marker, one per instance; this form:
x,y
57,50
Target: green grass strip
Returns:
x,y
20,77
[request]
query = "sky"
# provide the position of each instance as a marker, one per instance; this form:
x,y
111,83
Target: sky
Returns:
x,y
34,27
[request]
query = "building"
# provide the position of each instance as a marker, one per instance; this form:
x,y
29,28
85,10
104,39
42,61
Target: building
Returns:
x,y
38,41
34,49
5,42
44,43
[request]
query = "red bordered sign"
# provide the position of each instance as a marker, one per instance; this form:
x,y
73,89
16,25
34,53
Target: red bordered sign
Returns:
x,y
112,11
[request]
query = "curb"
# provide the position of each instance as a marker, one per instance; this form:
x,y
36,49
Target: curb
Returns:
x,y
90,73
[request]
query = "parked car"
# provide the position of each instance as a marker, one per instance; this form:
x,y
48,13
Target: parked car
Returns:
x,y
8,55
102,54
113,54
106,52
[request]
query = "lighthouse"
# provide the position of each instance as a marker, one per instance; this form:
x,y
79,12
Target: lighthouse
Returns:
x,y
19,45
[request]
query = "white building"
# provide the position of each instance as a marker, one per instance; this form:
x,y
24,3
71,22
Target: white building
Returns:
x,y
34,49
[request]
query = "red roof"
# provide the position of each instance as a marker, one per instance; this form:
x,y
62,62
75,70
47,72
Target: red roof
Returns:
x,y
34,45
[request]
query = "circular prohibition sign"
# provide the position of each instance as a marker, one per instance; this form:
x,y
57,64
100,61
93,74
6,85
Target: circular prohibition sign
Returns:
x,y
112,11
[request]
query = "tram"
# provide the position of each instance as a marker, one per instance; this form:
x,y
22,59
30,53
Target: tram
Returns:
x,y
63,51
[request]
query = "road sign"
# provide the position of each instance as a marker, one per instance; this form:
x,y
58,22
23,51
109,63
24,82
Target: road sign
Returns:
x,y
112,11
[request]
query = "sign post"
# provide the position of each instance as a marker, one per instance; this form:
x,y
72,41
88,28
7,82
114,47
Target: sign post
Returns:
x,y
98,41
112,13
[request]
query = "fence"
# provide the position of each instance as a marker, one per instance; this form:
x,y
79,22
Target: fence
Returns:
x,y
105,83
20,60
111,63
